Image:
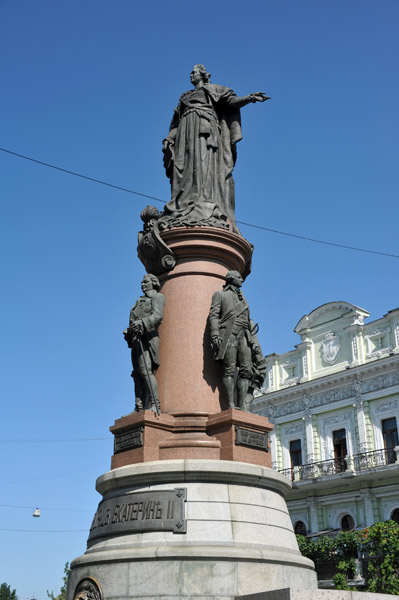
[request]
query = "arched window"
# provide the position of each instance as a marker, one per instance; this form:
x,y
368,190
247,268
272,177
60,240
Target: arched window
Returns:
x,y
395,515
347,523
300,528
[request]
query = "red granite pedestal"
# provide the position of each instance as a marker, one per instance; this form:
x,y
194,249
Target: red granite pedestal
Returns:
x,y
190,508
228,435
193,423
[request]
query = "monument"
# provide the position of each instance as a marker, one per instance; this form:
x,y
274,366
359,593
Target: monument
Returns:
x,y
191,506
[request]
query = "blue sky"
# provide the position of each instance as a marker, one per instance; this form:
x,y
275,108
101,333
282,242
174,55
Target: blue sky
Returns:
x,y
90,86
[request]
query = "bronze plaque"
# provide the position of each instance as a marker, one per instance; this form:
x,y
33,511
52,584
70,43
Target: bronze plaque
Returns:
x,y
158,510
128,440
253,439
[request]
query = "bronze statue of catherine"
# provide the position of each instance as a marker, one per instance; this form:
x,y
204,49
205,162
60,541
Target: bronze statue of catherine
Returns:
x,y
200,153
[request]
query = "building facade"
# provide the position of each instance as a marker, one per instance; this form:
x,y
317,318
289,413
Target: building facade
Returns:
x,y
334,403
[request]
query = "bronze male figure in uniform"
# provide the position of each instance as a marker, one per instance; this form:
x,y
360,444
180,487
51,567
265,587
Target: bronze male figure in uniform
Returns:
x,y
231,338
142,337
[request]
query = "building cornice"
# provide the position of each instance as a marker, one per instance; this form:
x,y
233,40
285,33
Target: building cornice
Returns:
x,y
362,381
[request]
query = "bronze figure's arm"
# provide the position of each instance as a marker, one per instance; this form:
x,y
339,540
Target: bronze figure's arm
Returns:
x,y
239,102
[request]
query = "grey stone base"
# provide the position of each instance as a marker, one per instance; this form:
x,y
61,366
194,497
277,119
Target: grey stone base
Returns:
x,y
297,594
239,538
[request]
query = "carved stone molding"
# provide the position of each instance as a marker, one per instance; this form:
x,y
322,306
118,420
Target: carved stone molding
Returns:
x,y
290,371
357,320
305,364
386,406
380,382
351,390
380,333
311,503
397,335
338,418
355,351
298,428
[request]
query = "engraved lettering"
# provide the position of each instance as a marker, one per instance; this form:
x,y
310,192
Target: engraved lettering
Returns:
x,y
134,512
161,510
129,511
98,521
116,512
254,439
146,510
128,440
122,514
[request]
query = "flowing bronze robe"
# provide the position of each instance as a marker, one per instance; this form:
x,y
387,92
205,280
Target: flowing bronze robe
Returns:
x,y
200,157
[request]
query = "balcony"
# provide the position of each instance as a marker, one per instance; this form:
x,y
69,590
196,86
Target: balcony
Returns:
x,y
335,466
378,458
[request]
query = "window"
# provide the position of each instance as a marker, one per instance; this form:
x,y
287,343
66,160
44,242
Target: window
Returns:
x,y
340,450
296,453
394,515
390,437
347,523
300,528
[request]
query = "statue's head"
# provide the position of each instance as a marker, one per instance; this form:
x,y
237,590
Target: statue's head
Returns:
x,y
150,282
234,278
199,72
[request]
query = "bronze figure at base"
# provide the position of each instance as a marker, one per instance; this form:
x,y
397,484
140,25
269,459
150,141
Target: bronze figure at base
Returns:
x,y
234,342
142,337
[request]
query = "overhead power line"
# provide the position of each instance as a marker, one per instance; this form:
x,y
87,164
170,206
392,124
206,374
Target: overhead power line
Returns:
x,y
45,530
46,508
55,475
111,185
123,189
309,239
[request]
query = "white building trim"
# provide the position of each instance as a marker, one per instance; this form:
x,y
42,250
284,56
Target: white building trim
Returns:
x,y
332,422
381,410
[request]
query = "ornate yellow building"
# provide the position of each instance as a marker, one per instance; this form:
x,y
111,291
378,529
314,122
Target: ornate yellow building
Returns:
x,y
334,402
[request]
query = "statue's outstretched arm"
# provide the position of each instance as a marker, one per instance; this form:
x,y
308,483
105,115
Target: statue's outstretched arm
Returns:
x,y
239,102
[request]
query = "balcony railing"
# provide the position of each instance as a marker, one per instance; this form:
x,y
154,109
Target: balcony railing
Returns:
x,y
325,468
378,458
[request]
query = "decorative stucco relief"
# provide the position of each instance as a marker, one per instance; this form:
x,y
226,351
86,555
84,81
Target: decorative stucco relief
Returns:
x,y
330,347
385,406
381,381
352,390
337,418
298,428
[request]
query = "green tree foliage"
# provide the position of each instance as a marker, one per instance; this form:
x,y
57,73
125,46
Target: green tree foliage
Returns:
x,y
63,590
382,546
6,593
379,545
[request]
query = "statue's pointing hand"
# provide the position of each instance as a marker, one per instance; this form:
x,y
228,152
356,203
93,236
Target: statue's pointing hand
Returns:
x,y
259,97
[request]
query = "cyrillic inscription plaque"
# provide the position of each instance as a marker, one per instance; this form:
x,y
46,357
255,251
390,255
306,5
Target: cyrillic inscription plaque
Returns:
x,y
253,439
128,440
158,510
